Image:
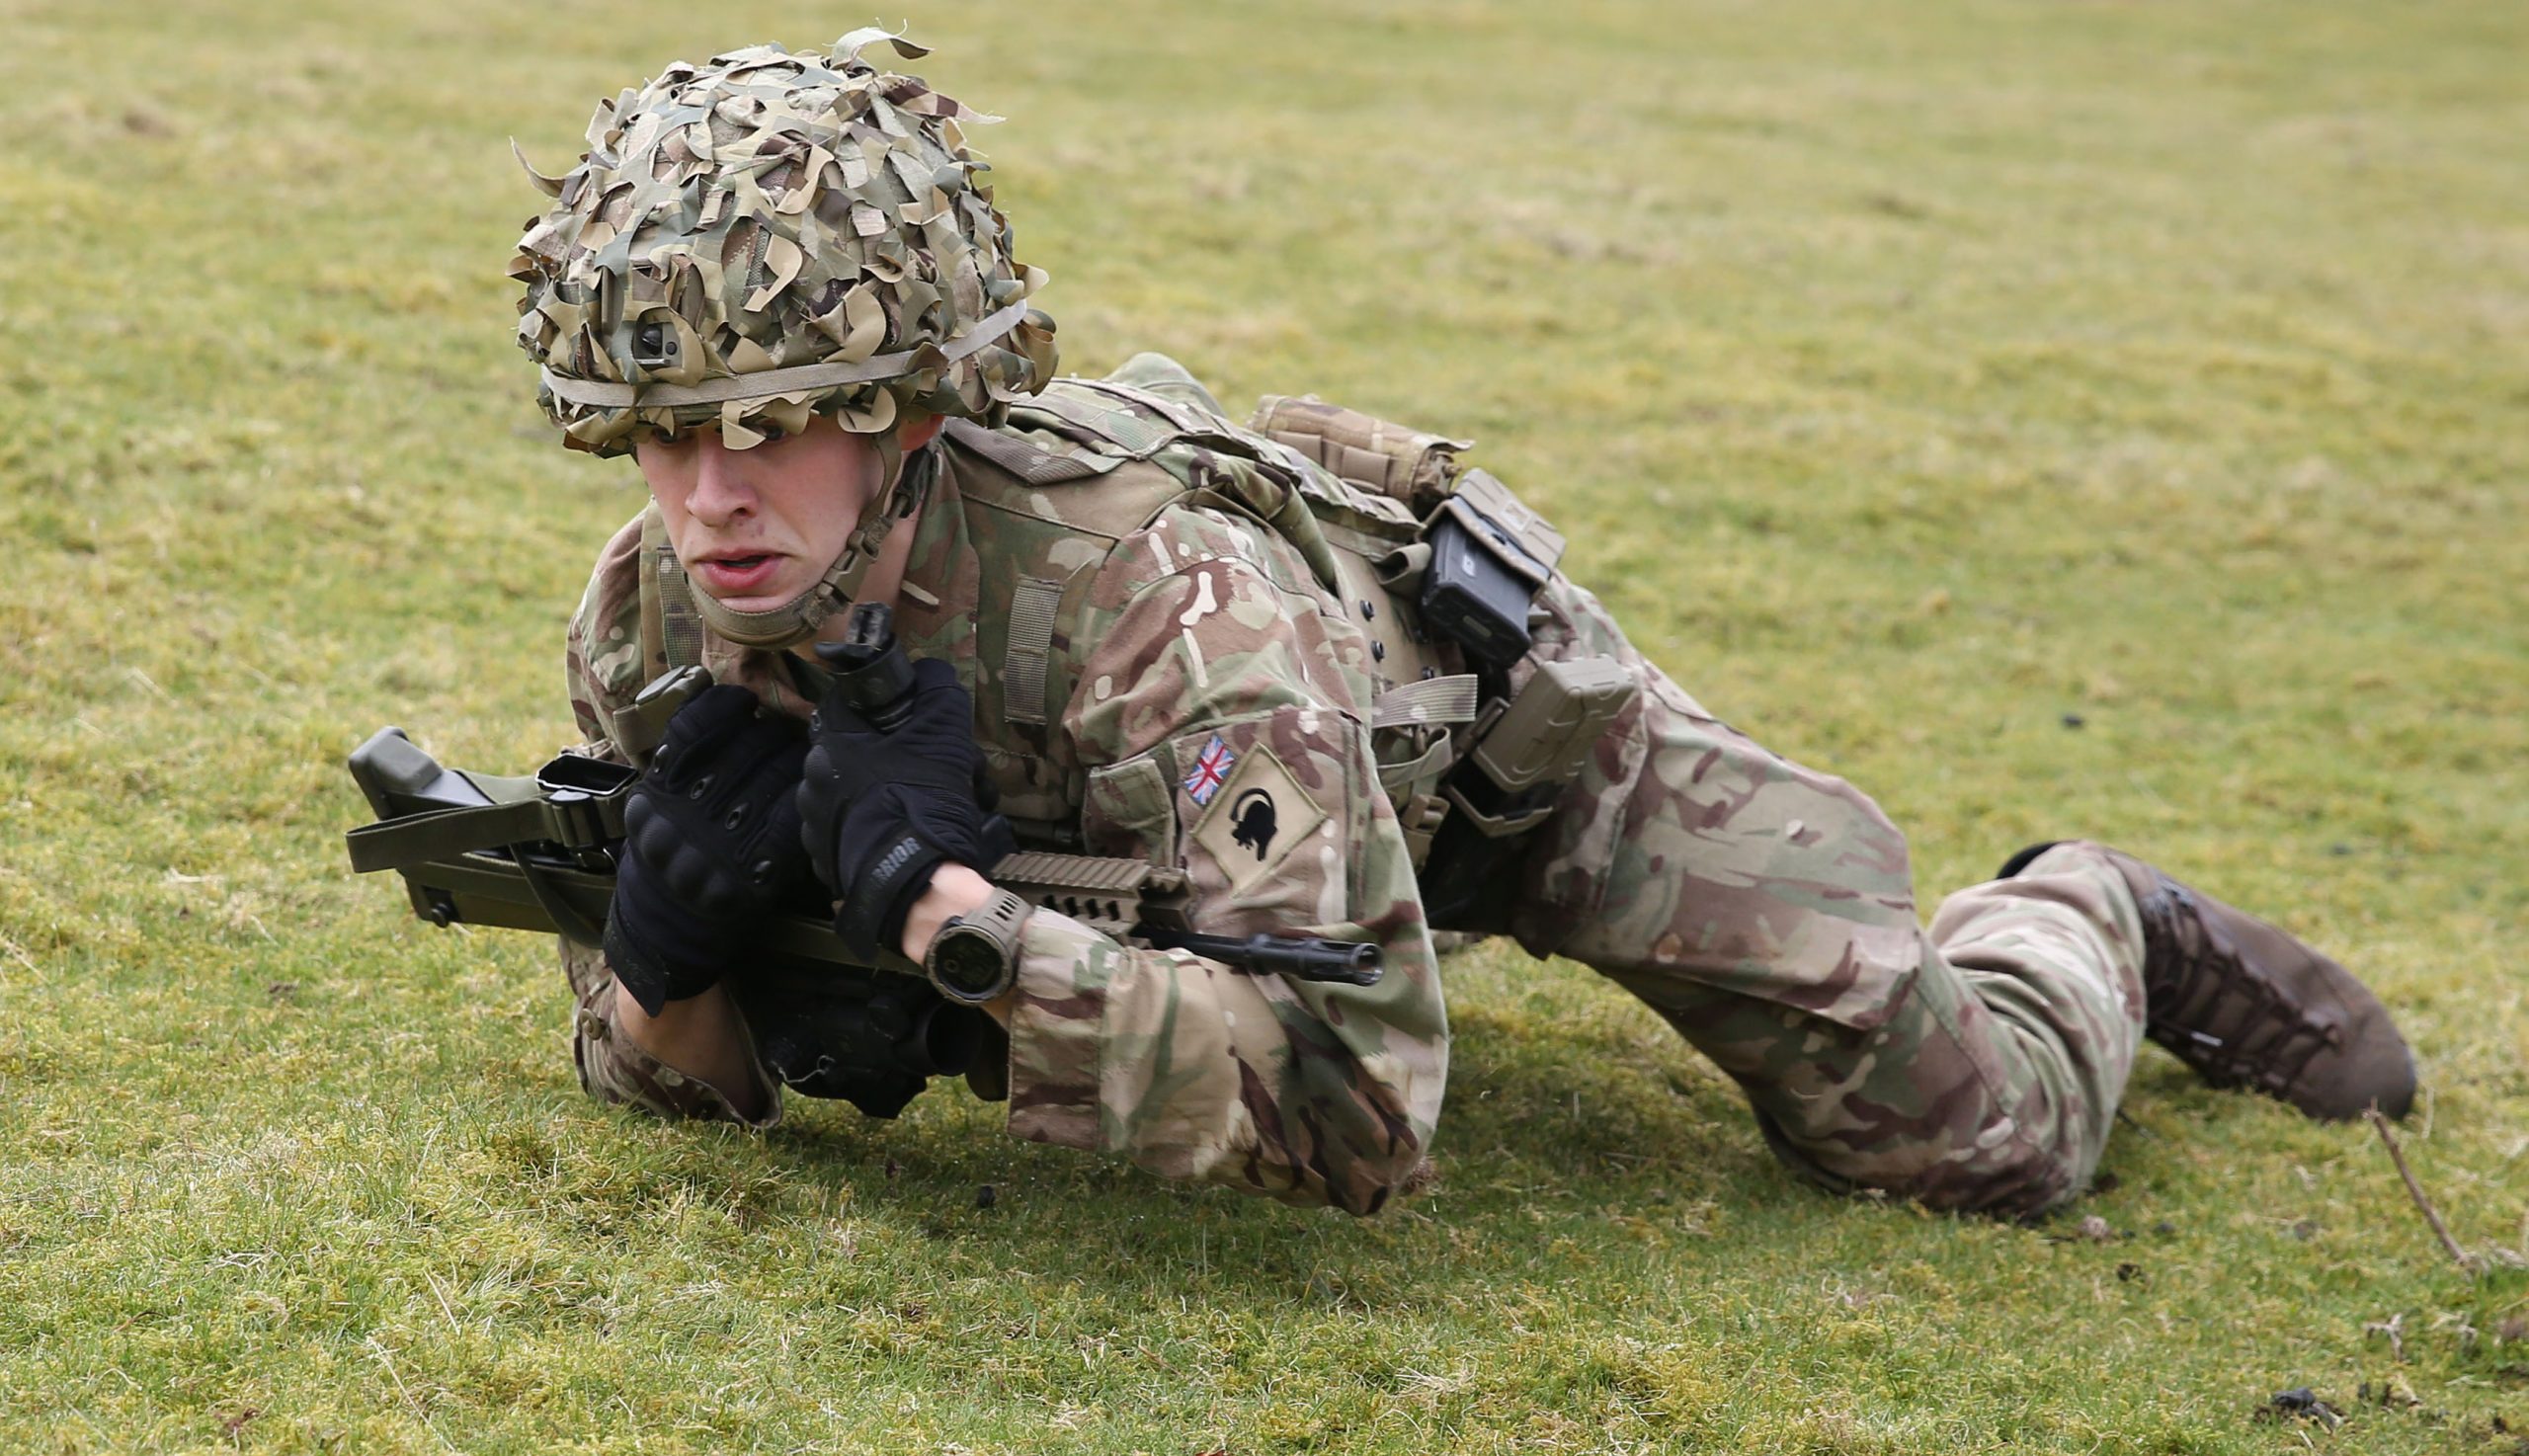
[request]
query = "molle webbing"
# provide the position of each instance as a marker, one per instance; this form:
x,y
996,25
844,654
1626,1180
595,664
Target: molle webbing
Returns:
x,y
671,626
1034,605
1430,702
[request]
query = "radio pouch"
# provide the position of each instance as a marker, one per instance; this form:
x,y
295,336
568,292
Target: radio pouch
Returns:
x,y
1490,557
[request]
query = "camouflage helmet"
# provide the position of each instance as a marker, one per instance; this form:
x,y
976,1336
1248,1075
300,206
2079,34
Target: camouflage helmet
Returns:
x,y
770,236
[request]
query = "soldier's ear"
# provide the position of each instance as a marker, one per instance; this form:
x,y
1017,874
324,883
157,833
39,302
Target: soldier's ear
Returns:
x,y
915,431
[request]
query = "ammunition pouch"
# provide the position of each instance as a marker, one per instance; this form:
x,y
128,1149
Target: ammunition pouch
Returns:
x,y
1525,752
1529,749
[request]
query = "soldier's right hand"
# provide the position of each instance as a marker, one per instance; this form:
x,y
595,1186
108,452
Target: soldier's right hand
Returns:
x,y
711,845
883,809
931,753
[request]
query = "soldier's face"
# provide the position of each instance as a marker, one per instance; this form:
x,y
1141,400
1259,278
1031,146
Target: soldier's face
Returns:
x,y
755,527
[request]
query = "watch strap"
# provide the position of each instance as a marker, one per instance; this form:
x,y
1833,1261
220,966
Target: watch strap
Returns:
x,y
997,920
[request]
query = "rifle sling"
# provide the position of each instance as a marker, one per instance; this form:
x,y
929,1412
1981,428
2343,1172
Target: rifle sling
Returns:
x,y
573,821
567,919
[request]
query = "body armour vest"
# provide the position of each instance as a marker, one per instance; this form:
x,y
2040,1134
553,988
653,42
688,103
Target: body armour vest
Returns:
x,y
1088,462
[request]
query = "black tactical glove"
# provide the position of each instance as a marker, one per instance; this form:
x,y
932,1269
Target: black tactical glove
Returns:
x,y
710,847
880,811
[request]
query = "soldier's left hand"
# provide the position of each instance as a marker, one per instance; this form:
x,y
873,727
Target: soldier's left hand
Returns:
x,y
708,847
880,811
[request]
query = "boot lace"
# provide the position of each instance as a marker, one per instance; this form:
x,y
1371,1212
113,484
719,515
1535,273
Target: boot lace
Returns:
x,y
2215,1012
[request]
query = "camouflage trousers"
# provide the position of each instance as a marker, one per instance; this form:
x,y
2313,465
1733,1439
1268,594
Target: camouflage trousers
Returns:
x,y
614,1069
1767,911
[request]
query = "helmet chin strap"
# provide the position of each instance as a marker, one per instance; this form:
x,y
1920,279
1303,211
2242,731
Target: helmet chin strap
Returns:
x,y
797,619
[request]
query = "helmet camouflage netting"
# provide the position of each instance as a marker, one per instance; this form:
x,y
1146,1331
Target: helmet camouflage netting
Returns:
x,y
771,236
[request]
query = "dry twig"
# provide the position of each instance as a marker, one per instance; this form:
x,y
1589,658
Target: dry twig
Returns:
x,y
2431,1215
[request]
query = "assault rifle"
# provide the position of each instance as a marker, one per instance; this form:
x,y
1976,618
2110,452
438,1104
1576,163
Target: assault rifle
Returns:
x,y
537,853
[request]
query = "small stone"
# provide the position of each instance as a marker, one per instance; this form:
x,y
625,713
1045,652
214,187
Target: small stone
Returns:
x,y
2074,720
2096,1229
2302,1402
986,1197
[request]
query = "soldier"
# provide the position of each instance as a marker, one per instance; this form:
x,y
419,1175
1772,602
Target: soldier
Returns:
x,y
1312,661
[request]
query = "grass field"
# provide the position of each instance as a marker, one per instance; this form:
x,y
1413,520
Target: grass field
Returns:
x,y
2058,418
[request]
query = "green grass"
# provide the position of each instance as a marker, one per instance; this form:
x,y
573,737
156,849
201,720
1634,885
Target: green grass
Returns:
x,y
1909,378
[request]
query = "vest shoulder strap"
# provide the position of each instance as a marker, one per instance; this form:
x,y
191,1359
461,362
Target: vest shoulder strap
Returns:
x,y
671,626
1089,435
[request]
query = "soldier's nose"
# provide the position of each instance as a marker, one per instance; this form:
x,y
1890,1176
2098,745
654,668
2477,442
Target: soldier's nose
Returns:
x,y
720,492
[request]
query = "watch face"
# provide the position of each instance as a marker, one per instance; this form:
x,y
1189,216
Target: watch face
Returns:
x,y
968,962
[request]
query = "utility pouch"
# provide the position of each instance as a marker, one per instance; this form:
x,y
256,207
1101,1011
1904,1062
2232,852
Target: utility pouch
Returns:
x,y
1527,751
1413,466
1490,557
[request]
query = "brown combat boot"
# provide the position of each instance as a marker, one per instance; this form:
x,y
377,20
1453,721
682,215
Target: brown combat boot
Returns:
x,y
2246,1005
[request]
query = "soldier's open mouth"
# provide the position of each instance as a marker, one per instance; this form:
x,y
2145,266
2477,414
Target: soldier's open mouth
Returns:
x,y
729,576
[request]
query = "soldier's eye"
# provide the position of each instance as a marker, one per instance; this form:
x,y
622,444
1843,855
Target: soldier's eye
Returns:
x,y
774,434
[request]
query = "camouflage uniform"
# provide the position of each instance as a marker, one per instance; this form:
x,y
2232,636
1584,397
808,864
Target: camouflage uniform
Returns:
x,y
1766,910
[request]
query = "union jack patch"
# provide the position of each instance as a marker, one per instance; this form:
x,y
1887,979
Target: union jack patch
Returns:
x,y
1211,770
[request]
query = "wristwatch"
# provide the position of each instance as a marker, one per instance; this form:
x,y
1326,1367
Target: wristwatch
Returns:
x,y
975,956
